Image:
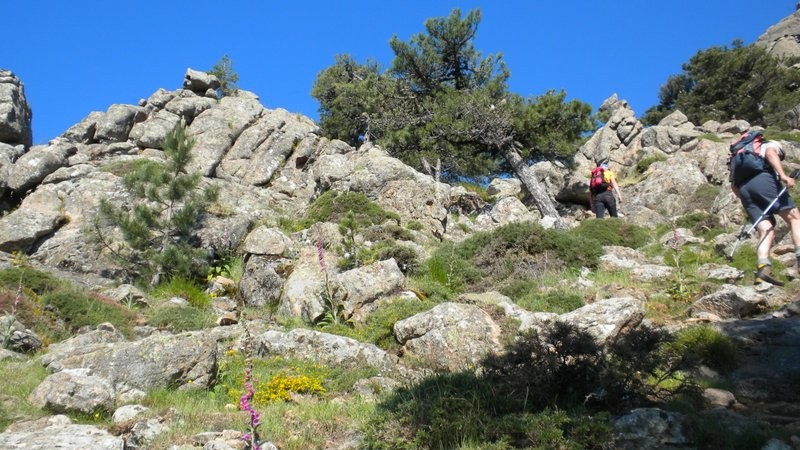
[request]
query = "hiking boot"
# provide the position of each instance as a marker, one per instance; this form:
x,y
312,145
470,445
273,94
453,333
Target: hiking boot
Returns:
x,y
764,274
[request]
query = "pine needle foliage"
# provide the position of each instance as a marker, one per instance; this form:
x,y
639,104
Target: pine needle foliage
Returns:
x,y
227,77
157,228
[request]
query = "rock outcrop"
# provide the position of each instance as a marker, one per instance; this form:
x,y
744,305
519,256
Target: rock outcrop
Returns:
x,y
15,114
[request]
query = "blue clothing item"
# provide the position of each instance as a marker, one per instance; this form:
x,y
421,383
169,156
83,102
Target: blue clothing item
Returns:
x,y
758,192
605,200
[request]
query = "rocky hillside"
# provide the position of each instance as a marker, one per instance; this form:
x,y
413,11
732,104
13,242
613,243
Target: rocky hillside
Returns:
x,y
270,166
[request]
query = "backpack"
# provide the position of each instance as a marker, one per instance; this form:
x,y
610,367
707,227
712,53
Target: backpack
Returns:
x,y
746,158
598,184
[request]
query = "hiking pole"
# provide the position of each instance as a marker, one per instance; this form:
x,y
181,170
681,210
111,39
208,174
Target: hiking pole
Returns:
x,y
746,234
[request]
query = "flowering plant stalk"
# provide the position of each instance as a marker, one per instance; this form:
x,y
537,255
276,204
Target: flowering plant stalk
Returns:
x,y
680,290
334,308
12,317
246,400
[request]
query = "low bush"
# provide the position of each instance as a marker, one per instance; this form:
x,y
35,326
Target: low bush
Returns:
x,y
29,278
705,345
78,309
179,318
613,231
511,252
715,432
553,389
378,327
645,163
333,207
476,188
406,257
185,289
386,232
527,295
464,411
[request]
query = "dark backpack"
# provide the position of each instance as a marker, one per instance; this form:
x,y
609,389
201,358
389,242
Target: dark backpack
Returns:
x,y
745,160
598,182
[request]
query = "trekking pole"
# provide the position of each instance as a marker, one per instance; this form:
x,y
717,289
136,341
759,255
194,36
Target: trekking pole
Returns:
x,y
746,234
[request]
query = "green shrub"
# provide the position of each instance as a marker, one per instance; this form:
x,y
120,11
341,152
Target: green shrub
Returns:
x,y
430,288
333,207
449,270
526,294
179,318
78,309
415,225
230,266
406,257
704,345
566,367
475,188
645,163
464,411
386,232
185,289
35,280
378,328
715,432
613,231
512,252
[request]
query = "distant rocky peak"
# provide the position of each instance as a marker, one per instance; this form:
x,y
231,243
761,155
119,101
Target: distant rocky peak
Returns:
x,y
15,114
783,38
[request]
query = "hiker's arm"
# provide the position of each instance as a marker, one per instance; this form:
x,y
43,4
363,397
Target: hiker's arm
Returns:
x,y
616,188
774,161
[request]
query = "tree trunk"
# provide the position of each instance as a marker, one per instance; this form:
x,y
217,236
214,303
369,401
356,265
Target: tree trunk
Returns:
x,y
528,178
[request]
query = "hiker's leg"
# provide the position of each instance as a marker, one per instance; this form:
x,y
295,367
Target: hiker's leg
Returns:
x,y
612,205
792,218
766,234
599,206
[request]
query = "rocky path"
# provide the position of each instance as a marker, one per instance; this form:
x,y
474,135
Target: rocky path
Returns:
x,y
767,381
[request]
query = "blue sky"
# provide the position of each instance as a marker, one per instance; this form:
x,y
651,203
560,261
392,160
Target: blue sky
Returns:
x,y
81,56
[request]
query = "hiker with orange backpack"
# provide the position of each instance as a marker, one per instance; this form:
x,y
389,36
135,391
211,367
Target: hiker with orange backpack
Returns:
x,y
756,175
602,187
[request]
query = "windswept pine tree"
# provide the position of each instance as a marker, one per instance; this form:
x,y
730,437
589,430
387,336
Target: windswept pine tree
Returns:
x,y
442,100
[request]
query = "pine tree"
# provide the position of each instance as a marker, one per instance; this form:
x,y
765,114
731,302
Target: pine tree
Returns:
x,y
167,206
227,77
443,101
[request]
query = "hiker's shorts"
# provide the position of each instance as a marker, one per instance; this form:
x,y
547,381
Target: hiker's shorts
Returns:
x,y
758,192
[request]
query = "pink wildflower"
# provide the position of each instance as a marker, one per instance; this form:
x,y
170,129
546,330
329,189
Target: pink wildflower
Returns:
x,y
677,239
245,404
16,300
321,256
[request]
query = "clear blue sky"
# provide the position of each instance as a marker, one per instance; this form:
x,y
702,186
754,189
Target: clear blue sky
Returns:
x,y
75,57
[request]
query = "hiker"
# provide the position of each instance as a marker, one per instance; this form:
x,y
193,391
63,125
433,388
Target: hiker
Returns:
x,y
602,187
756,193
